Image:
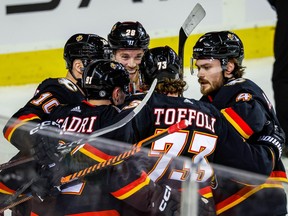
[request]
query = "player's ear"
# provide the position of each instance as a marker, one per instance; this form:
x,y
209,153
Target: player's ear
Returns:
x,y
78,65
116,95
228,73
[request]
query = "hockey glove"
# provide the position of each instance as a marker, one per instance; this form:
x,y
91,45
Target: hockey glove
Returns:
x,y
274,137
45,141
166,201
206,206
47,178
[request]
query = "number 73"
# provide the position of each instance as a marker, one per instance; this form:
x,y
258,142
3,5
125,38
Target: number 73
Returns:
x,y
167,148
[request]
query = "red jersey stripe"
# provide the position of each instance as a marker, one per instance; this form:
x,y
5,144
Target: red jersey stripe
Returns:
x,y
20,121
238,123
133,187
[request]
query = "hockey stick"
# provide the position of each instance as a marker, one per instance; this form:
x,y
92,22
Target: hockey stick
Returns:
x,y
15,162
136,148
11,201
94,168
95,134
115,126
194,18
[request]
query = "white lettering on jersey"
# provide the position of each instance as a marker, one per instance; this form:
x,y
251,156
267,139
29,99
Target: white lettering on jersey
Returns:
x,y
48,105
76,124
158,113
171,116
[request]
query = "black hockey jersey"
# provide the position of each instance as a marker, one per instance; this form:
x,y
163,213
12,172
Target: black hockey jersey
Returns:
x,y
49,94
208,130
247,108
104,193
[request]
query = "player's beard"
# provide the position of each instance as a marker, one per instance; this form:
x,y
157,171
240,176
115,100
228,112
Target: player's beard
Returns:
x,y
208,87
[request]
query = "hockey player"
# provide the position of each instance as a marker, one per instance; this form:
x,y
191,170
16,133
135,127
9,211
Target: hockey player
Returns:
x,y
218,57
129,40
105,84
79,50
225,147
208,138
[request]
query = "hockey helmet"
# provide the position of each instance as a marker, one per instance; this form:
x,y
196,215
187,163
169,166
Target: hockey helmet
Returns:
x,y
160,63
222,45
128,35
102,76
86,47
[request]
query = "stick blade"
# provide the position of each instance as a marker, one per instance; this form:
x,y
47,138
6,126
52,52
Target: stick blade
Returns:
x,y
194,18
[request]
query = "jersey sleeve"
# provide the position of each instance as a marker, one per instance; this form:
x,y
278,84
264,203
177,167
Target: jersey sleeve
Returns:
x,y
49,94
247,115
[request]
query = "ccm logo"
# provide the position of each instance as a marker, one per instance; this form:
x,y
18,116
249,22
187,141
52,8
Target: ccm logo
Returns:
x,y
166,197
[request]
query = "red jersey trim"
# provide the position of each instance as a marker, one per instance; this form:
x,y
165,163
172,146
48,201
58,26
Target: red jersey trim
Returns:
x,y
20,121
206,192
132,188
238,123
279,176
5,190
243,194
95,153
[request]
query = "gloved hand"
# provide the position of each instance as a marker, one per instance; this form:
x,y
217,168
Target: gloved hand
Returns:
x,y
273,136
206,207
45,141
166,201
50,175
47,178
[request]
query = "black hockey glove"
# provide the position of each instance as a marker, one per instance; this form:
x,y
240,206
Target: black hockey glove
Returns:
x,y
47,178
45,141
166,201
206,207
274,137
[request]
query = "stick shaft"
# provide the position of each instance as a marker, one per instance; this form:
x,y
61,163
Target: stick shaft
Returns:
x,y
136,148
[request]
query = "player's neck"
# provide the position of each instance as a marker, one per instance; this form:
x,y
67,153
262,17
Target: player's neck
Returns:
x,y
99,102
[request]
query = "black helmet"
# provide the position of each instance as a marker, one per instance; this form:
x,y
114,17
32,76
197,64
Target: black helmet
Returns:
x,y
160,63
222,45
128,35
102,76
86,47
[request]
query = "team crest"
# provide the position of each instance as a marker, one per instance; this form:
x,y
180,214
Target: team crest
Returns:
x,y
113,65
230,36
79,38
243,97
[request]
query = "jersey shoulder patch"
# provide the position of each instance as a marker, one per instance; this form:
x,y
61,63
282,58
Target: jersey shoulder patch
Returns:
x,y
243,97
